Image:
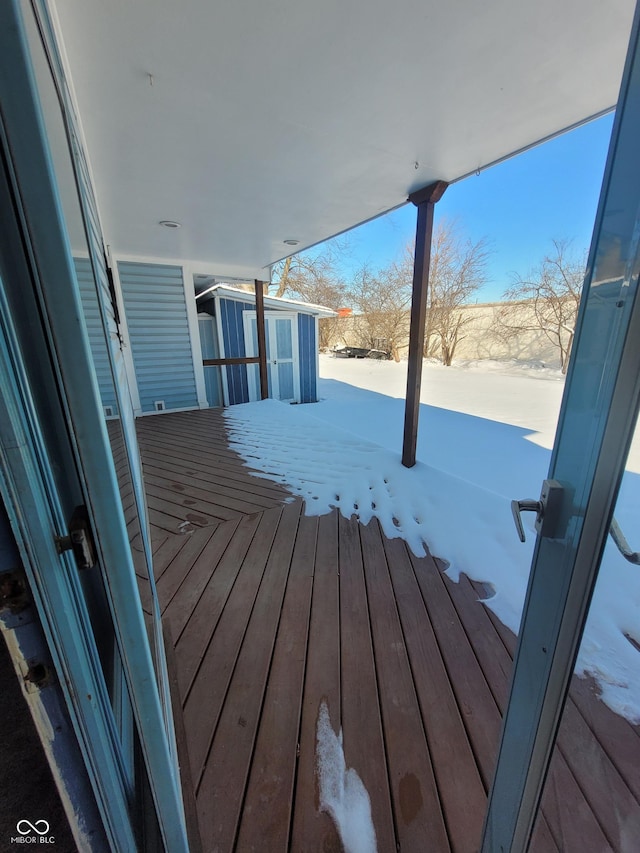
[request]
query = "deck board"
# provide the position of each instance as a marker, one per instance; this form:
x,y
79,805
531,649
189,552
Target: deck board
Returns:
x,y
418,811
273,612
480,713
313,830
170,581
581,770
195,582
273,772
204,707
195,639
451,752
364,744
220,795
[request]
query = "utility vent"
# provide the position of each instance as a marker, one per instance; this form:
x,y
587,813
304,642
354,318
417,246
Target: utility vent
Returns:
x,y
159,405
108,411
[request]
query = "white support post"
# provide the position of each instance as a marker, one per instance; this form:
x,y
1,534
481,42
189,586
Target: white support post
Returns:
x,y
127,354
194,334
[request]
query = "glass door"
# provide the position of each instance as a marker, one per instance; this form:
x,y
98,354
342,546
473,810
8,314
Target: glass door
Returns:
x,y
575,510
74,491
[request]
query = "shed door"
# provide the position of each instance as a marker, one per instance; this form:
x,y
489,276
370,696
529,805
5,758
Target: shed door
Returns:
x,y
281,332
210,349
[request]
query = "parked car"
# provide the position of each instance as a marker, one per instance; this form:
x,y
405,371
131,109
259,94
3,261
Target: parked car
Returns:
x,y
351,352
361,352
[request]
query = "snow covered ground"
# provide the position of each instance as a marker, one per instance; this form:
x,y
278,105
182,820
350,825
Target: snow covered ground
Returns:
x,y
486,431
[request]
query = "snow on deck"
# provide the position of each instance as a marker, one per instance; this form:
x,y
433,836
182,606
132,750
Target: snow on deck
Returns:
x,y
484,439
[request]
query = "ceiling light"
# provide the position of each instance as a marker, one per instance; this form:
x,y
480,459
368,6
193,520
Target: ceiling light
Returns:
x,y
291,242
169,223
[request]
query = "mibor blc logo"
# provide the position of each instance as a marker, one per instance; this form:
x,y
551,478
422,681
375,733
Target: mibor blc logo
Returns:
x,y
36,832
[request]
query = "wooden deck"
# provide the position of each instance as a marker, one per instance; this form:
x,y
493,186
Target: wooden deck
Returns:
x,y
273,612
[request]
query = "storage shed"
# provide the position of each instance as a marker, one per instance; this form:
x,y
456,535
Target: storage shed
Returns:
x,y
228,331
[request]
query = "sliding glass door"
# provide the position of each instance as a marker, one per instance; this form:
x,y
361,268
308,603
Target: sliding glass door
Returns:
x,y
575,511
71,478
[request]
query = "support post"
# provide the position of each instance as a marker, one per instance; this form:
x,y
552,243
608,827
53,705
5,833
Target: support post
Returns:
x,y
425,200
262,344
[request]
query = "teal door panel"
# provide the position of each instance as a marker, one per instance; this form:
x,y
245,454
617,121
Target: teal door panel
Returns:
x,y
597,422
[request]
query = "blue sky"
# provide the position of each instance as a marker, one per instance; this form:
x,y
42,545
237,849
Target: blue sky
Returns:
x,y
520,206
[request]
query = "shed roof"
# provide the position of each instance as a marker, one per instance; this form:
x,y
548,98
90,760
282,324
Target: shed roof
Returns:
x,y
254,123
276,302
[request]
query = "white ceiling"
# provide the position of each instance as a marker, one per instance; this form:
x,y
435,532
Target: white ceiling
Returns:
x,y
277,119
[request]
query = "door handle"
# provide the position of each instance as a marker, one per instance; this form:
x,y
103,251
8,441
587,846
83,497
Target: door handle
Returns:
x,y
526,505
546,510
623,546
80,539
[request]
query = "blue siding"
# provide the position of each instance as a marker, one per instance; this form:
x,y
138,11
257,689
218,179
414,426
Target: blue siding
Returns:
x,y
89,297
231,321
156,310
307,345
231,312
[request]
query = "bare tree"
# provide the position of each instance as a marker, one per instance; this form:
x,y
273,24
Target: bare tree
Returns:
x,y
547,300
381,301
457,271
314,276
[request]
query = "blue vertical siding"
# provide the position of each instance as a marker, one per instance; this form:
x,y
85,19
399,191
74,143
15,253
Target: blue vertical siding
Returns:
x,y
231,312
156,311
307,345
231,322
97,341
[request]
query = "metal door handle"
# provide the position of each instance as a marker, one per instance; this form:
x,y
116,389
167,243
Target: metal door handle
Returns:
x,y
526,505
623,546
547,510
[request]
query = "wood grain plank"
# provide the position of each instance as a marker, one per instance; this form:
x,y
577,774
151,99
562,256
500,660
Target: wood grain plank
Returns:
x,y
180,448
615,807
209,485
497,667
363,741
172,578
160,438
419,819
184,601
192,645
266,816
200,499
165,552
459,782
159,519
314,831
206,460
221,792
204,704
570,818
186,785
476,702
199,513
158,536
619,739
573,807
542,841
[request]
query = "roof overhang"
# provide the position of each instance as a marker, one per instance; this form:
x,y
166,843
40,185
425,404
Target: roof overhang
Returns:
x,y
258,122
274,302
